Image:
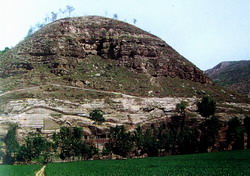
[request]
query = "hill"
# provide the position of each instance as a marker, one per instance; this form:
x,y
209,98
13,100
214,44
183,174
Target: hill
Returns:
x,y
72,66
80,49
103,54
234,75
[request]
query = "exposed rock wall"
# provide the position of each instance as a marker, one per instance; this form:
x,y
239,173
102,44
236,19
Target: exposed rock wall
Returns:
x,y
65,43
48,115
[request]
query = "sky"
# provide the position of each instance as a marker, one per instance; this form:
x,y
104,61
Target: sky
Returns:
x,y
206,32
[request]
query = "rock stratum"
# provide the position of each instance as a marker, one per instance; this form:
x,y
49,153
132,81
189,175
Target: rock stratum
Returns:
x,y
56,76
65,43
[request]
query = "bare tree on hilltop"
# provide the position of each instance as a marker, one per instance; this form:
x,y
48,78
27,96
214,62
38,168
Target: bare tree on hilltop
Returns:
x,y
62,13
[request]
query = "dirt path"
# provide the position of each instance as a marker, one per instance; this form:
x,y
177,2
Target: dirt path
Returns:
x,y
41,171
19,90
93,90
66,86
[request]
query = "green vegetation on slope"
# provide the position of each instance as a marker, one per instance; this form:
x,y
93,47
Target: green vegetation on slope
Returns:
x,y
106,75
221,163
19,170
5,50
234,75
235,72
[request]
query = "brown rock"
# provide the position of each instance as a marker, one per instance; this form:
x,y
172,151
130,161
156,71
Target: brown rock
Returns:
x,y
64,43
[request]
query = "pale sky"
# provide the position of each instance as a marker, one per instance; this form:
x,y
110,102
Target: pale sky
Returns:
x,y
205,32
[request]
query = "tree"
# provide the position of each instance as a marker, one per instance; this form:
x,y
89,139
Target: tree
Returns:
x,y
165,138
87,151
30,31
97,115
69,9
206,106
247,127
1,150
70,143
134,21
187,140
150,144
235,133
209,132
61,13
24,154
138,139
35,147
120,141
68,140
115,16
53,16
11,144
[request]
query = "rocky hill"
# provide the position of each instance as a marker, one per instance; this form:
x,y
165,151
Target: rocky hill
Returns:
x,y
68,68
234,75
65,44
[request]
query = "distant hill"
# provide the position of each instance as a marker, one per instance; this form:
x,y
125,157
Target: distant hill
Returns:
x,y
233,74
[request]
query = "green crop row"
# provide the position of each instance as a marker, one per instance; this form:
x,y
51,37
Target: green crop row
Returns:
x,y
19,170
221,163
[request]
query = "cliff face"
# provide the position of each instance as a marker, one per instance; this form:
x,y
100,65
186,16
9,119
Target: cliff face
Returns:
x,y
65,43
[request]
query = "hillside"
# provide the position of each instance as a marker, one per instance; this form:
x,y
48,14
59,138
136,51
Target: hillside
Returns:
x,y
234,75
104,54
58,75
84,48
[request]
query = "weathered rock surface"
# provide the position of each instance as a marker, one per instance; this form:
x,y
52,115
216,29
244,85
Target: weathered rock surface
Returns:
x,y
68,68
32,114
65,43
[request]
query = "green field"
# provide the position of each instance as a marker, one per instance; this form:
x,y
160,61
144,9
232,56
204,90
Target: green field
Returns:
x,y
221,163
24,170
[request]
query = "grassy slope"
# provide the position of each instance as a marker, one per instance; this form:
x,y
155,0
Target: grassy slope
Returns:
x,y
104,74
24,170
236,76
221,163
234,73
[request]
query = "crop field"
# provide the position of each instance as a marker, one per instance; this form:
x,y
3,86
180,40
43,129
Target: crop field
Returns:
x,y
18,170
222,163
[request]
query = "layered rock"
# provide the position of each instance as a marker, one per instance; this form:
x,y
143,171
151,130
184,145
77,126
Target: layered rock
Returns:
x,y
65,43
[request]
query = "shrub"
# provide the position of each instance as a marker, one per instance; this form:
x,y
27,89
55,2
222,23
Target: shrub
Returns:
x,y
97,115
181,107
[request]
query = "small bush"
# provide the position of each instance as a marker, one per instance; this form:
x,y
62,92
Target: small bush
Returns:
x,y
181,107
97,115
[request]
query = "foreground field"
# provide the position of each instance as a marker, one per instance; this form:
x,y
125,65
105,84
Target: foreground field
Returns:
x,y
221,163
24,170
